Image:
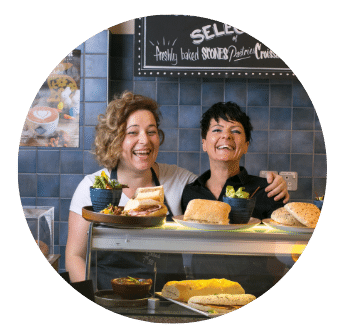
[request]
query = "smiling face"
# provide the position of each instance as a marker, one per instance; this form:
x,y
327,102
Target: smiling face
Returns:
x,y
225,141
141,143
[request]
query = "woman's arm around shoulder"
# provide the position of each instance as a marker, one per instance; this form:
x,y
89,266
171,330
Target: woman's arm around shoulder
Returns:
x,y
277,187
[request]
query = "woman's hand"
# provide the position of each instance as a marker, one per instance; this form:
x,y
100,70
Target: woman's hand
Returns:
x,y
277,187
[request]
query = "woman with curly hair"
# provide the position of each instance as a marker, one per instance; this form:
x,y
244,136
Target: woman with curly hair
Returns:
x,y
126,144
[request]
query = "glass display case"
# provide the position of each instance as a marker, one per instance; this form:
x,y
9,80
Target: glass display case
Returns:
x,y
40,220
256,257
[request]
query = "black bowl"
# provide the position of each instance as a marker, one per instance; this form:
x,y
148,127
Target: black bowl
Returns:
x,y
241,209
319,204
101,198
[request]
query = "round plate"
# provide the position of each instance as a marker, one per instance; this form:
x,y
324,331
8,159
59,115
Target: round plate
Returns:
x,y
192,224
272,223
107,298
121,221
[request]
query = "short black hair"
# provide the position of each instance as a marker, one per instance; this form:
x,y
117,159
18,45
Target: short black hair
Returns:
x,y
228,111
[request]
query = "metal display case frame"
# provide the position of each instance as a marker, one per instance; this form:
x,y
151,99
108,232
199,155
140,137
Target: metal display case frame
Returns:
x,y
172,237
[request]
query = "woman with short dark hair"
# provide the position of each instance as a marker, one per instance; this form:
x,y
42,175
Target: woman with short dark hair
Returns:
x,y
226,134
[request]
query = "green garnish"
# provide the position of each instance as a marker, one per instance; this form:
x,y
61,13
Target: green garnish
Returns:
x,y
230,192
103,182
133,280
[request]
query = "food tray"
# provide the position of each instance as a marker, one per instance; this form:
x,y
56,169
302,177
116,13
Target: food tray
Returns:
x,y
192,224
269,222
121,221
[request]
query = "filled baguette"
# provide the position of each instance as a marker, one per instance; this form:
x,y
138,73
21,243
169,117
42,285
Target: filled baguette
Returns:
x,y
184,290
145,207
220,303
147,201
214,308
155,193
223,299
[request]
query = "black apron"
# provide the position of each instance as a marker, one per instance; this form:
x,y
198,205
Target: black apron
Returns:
x,y
114,264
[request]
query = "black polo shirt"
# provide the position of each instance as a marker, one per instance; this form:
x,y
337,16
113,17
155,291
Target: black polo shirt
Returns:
x,y
264,205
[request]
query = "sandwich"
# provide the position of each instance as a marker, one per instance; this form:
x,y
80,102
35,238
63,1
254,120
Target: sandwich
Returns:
x,y
155,193
207,212
145,207
147,201
220,303
184,290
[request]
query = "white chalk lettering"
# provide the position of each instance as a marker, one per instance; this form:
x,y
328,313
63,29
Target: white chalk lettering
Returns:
x,y
166,56
189,55
262,54
230,53
216,32
209,32
214,53
243,53
197,37
235,30
207,36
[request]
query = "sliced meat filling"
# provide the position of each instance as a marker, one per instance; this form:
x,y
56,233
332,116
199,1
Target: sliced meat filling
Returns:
x,y
145,210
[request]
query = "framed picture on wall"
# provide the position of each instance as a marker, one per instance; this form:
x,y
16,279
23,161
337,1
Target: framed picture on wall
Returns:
x,y
53,118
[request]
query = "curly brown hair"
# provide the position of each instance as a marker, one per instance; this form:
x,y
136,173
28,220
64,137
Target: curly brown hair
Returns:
x,y
111,127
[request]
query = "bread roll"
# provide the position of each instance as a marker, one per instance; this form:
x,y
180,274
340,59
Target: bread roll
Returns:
x,y
184,290
207,212
306,213
283,217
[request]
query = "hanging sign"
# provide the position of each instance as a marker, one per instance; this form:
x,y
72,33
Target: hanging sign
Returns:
x,y
174,45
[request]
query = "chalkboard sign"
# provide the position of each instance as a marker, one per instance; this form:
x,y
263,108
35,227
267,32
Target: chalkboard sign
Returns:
x,y
177,45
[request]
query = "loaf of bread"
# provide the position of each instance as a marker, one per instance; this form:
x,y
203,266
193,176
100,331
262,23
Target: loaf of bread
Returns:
x,y
184,290
207,212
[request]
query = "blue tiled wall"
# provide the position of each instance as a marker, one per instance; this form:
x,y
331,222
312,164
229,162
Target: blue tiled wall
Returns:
x,y
287,135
